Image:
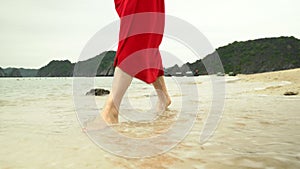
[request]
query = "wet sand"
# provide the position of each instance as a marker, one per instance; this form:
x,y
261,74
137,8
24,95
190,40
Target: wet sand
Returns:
x,y
259,127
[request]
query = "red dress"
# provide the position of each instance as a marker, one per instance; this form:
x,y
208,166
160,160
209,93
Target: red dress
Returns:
x,y
141,32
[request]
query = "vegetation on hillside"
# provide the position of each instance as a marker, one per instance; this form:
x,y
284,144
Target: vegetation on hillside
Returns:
x,y
254,56
56,69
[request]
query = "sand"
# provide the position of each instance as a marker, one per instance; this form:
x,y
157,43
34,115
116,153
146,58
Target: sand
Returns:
x,y
259,127
292,76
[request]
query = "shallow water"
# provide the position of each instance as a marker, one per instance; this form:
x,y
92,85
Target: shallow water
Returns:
x,y
39,126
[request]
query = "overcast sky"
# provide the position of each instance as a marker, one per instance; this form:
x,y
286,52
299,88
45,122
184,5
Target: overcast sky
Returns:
x,y
34,32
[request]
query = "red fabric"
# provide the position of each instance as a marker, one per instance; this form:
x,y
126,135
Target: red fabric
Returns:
x,y
141,33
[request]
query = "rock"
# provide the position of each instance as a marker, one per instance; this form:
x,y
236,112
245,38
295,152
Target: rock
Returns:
x,y
98,92
2,73
289,93
15,73
231,74
172,70
220,74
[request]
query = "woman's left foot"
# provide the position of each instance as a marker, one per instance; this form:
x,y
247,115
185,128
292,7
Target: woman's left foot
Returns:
x,y
163,103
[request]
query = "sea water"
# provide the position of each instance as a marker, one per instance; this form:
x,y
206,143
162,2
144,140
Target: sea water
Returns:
x,y
39,125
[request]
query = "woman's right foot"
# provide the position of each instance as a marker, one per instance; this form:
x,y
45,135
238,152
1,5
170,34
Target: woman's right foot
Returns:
x,y
108,116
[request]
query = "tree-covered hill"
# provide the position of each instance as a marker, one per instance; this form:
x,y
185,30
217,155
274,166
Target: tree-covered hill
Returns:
x,y
23,72
254,56
100,65
261,55
56,69
10,72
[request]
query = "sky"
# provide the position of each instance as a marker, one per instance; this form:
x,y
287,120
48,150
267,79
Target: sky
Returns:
x,y
34,32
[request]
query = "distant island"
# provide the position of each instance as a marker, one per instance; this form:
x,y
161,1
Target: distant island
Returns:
x,y
249,57
64,68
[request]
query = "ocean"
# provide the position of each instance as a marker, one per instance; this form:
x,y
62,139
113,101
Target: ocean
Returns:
x,y
41,118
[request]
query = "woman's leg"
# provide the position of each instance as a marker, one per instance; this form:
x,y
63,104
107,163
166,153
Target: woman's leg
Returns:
x,y
110,112
121,82
164,99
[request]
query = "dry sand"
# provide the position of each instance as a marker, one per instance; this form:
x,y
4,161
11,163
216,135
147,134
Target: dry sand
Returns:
x,y
292,76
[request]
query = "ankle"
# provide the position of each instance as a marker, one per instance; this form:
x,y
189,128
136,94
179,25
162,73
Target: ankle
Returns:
x,y
110,109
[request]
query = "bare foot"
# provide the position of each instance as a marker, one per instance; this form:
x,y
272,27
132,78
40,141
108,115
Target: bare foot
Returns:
x,y
108,117
163,103
168,101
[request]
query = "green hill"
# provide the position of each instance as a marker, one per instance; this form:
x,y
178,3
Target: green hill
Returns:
x,y
254,56
261,55
23,72
28,72
11,72
100,65
15,73
56,69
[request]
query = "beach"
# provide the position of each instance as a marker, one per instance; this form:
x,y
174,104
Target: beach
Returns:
x,y
291,77
259,127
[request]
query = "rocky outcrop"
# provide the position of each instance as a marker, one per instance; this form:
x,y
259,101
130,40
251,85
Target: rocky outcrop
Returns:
x,y
100,65
290,93
14,73
98,92
172,70
23,72
28,72
2,73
